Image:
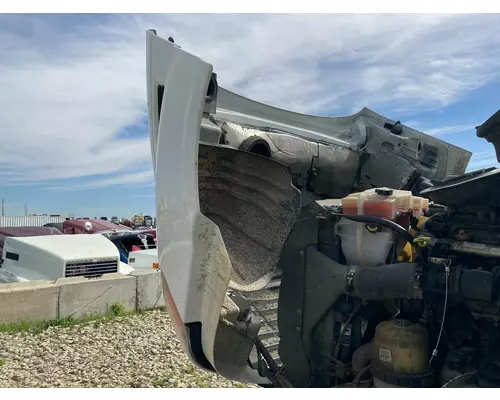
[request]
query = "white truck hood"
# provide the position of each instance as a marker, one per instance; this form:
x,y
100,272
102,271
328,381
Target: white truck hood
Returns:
x,y
71,246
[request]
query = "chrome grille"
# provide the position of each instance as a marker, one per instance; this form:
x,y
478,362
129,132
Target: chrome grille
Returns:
x,y
91,268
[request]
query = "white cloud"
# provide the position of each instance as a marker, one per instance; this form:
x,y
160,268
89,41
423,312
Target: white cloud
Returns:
x,y
484,159
144,196
448,130
60,113
136,179
68,91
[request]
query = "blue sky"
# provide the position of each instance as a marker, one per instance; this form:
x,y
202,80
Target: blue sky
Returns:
x,y
73,116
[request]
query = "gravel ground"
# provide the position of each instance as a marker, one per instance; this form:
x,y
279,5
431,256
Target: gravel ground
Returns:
x,y
132,351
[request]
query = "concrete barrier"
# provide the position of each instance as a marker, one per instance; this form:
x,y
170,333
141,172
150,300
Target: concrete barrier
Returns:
x,y
80,296
149,289
36,300
76,297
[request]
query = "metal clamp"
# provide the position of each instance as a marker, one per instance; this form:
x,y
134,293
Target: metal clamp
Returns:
x,y
350,279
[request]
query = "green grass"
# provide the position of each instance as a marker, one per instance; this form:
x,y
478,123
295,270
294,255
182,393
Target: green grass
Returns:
x,y
35,327
166,381
2,363
191,376
117,309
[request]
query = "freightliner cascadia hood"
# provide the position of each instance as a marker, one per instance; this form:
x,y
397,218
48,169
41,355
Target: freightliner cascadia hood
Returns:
x,y
232,176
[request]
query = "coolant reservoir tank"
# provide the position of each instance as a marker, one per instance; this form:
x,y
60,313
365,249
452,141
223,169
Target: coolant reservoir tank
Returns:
x,y
384,203
361,246
401,347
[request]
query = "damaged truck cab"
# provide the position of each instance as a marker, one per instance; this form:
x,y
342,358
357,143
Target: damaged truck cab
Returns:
x,y
250,224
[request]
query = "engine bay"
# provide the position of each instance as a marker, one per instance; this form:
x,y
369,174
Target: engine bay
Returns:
x,y
398,290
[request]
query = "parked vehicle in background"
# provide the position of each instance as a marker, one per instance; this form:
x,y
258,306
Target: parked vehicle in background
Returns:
x,y
115,220
124,238
23,232
128,242
148,221
58,256
76,226
147,232
56,225
143,259
137,221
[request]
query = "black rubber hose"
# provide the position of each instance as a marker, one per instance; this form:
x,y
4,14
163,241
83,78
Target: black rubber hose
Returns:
x,y
357,379
362,357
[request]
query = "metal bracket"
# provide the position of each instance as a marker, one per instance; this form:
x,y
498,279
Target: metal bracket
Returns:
x,y
273,372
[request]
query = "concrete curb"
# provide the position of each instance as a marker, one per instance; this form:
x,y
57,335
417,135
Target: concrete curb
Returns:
x,y
76,297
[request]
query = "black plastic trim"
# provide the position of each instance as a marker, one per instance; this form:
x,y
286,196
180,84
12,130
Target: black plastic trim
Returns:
x,y
194,331
12,256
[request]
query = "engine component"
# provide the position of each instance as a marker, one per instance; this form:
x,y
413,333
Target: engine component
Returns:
x,y
367,229
362,357
458,367
398,229
384,203
401,355
477,249
401,347
364,244
445,292
393,281
477,289
478,285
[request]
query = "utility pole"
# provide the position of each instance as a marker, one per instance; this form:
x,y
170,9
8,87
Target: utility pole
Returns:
x,y
25,210
3,207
